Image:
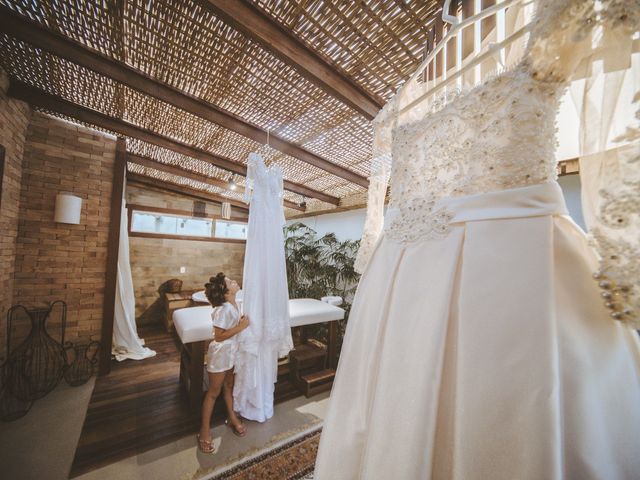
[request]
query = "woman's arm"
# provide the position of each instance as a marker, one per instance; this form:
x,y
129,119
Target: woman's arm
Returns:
x,y
220,334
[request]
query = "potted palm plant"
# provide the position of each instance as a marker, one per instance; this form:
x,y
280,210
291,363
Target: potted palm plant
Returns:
x,y
320,266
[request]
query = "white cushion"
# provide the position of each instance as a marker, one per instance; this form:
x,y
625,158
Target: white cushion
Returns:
x,y
307,311
194,324
332,300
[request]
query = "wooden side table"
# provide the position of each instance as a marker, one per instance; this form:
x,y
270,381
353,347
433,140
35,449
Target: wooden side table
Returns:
x,y
174,301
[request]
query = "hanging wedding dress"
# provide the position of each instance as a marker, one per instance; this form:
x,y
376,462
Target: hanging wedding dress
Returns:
x,y
478,345
265,294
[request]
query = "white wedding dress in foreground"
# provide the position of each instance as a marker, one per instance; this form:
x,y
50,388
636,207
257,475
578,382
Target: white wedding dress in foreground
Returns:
x,y
478,345
265,295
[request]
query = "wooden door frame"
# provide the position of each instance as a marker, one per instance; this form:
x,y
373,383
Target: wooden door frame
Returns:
x,y
2,162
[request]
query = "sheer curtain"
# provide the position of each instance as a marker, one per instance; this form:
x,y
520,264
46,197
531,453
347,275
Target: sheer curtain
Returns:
x,y
126,343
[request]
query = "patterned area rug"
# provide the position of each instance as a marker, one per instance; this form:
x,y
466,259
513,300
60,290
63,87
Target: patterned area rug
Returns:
x,y
293,460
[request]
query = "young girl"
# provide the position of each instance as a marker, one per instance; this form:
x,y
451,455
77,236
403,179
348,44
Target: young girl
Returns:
x,y
227,323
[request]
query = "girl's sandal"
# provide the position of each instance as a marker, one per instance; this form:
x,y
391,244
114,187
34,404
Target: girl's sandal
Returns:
x,y
207,446
234,428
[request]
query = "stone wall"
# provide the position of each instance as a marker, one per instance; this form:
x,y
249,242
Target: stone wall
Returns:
x,y
156,260
14,118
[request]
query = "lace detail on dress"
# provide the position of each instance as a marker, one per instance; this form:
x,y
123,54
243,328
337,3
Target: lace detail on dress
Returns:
x,y
417,219
617,233
562,32
376,195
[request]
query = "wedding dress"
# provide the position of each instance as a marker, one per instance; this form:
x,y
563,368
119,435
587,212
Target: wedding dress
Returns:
x,y
478,345
265,294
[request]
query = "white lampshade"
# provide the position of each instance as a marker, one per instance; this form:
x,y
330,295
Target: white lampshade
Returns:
x,y
68,208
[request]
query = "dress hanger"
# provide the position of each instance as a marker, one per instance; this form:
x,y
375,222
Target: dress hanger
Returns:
x,y
450,19
459,25
495,48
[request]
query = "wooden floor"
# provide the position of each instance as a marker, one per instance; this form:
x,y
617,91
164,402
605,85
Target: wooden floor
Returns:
x,y
140,405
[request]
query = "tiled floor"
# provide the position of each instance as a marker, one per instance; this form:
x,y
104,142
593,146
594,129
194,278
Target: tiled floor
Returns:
x,y
41,445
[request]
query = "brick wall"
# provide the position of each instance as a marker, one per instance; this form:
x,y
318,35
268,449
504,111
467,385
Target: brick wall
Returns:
x,y
14,117
154,261
60,261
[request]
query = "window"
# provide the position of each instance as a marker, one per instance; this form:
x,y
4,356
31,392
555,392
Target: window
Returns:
x,y
173,224
162,223
228,229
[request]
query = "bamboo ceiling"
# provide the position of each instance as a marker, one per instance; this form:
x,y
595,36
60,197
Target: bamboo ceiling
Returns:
x,y
373,44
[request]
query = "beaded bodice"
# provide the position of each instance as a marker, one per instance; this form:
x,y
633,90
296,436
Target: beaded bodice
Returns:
x,y
501,136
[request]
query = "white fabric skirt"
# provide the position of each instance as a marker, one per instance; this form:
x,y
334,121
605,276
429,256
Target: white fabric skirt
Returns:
x,y
485,354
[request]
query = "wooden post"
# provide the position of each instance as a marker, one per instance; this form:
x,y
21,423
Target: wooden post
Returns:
x,y
488,33
452,45
2,150
113,244
488,24
332,348
439,60
468,41
196,375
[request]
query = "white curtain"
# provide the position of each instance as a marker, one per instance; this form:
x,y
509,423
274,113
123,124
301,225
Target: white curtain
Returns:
x,y
126,343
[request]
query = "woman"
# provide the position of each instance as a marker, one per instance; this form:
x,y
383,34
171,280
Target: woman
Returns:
x,y
227,323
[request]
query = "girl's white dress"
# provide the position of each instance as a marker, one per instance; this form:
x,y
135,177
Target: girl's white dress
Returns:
x,y
221,355
478,345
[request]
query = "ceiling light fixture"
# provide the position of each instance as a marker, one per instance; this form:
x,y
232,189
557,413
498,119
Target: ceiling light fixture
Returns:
x,y
232,183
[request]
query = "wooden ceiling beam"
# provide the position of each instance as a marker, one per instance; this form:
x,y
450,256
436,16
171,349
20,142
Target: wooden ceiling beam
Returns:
x,y
166,185
260,28
31,32
139,179
39,98
183,172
